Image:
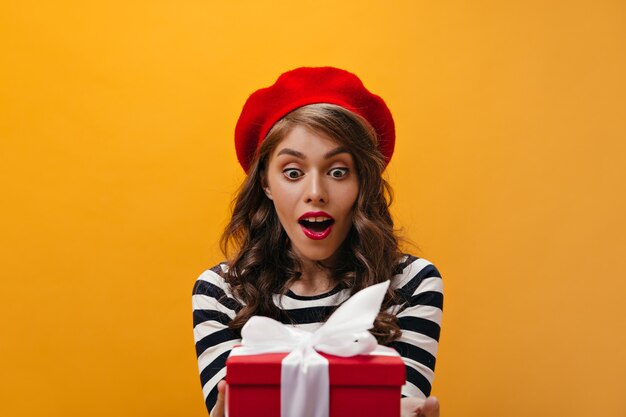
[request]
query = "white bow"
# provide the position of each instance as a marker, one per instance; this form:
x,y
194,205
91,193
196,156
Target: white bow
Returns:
x,y
304,372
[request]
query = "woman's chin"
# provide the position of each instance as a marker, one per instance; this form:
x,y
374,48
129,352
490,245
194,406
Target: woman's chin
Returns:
x,y
323,255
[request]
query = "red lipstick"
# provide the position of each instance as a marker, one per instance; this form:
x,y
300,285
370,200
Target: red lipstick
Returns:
x,y
316,225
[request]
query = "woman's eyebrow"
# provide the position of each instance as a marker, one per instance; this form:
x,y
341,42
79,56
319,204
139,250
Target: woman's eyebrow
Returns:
x,y
287,151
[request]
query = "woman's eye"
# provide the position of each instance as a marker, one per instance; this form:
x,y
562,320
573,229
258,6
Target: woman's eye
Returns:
x,y
338,172
292,173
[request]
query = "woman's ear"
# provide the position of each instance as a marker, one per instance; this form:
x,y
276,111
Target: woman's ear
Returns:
x,y
266,188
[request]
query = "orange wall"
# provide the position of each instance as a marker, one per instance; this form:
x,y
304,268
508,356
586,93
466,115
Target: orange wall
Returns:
x,y
117,167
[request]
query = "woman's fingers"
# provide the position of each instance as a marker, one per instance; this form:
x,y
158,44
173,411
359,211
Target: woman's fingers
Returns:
x,y
417,407
409,406
430,408
218,410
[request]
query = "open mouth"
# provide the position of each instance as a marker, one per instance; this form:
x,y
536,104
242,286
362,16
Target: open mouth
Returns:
x,y
316,224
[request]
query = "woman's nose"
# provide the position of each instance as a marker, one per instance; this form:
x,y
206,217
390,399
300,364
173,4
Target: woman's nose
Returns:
x,y
316,190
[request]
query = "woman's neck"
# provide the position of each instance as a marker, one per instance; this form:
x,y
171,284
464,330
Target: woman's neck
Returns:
x,y
314,280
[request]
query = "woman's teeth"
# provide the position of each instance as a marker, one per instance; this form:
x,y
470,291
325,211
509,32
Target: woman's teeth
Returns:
x,y
315,219
316,224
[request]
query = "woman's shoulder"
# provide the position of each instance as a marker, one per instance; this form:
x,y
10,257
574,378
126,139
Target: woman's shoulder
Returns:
x,y
212,292
410,262
412,271
212,280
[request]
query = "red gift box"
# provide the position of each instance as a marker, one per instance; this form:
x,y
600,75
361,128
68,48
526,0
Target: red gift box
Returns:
x,y
362,385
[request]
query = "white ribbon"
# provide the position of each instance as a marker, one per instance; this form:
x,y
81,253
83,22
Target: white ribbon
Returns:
x,y
304,372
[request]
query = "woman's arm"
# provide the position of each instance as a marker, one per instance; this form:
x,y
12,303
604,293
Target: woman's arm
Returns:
x,y
421,287
213,309
419,317
420,322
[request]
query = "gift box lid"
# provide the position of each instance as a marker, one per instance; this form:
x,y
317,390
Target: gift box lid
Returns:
x,y
265,369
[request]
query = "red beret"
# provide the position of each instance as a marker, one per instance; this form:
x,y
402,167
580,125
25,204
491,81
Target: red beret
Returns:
x,y
303,86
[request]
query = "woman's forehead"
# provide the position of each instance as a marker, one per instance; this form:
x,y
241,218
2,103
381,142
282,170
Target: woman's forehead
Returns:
x,y
304,140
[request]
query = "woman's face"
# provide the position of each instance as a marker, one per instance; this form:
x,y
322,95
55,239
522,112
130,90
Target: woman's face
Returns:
x,y
313,183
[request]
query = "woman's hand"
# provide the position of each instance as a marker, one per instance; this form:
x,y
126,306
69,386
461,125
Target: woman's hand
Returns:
x,y
218,410
416,407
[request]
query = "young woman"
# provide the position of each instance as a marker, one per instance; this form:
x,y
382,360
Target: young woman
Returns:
x,y
311,226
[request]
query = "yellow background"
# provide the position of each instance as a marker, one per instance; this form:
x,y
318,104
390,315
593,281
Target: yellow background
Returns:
x,y
117,168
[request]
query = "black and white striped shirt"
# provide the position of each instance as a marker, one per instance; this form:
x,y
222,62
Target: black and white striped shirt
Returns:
x,y
417,282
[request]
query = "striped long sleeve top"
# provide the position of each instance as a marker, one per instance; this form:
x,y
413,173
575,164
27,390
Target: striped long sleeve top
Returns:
x,y
416,281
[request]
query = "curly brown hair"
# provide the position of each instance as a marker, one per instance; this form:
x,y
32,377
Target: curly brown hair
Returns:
x,y
370,252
